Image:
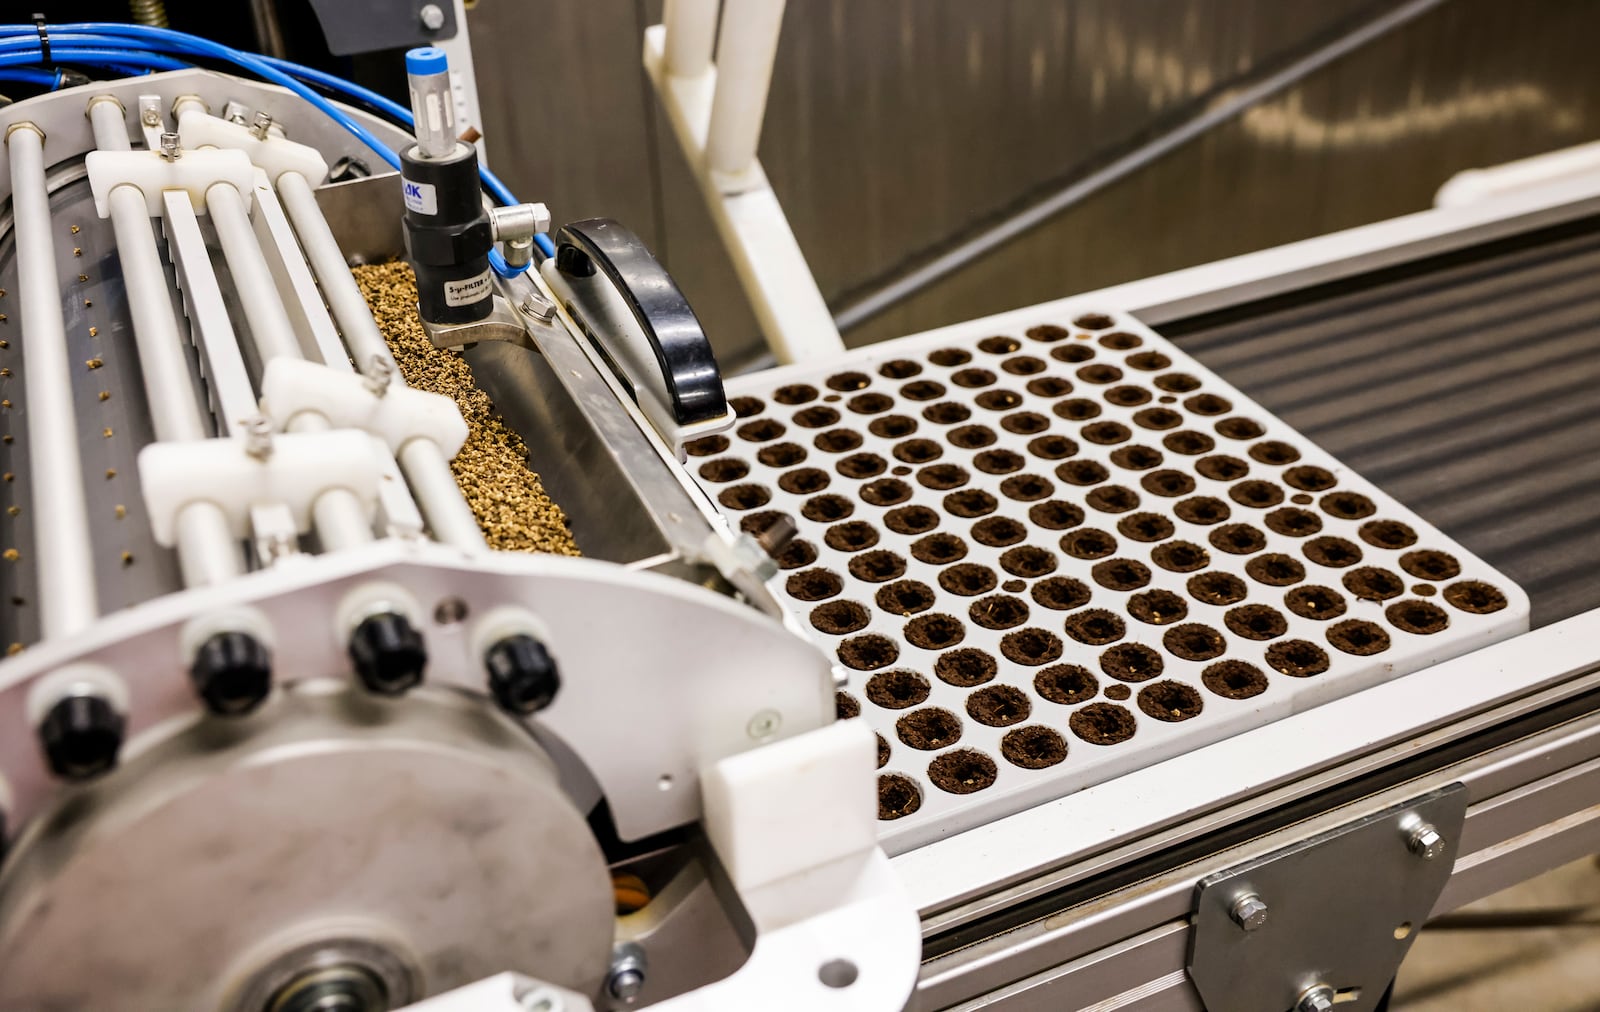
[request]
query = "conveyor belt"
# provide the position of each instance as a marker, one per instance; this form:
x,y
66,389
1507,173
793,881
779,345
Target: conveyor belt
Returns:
x,y
1468,387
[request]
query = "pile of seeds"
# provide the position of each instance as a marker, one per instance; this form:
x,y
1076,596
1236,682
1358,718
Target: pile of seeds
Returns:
x,y
505,494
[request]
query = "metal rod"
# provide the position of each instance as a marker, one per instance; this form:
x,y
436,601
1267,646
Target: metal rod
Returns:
x,y
67,601
862,308
436,491
270,329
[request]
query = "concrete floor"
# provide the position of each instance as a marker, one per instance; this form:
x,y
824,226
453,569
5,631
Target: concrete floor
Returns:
x,y
1522,970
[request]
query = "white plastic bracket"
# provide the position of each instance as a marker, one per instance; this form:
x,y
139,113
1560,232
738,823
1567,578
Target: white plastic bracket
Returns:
x,y
194,172
394,412
277,155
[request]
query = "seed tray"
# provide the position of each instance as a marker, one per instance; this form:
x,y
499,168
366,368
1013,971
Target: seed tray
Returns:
x,y
1052,556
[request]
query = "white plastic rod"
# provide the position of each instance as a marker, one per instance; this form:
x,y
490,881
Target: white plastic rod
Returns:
x,y
67,600
337,514
208,553
428,473
270,329
691,28
745,51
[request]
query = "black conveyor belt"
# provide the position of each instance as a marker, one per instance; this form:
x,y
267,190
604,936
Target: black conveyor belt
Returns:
x,y
1467,386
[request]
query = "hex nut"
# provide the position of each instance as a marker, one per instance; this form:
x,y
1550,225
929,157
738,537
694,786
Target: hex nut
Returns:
x,y
1249,912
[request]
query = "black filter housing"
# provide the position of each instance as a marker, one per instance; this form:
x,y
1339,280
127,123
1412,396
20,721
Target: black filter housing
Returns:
x,y
448,236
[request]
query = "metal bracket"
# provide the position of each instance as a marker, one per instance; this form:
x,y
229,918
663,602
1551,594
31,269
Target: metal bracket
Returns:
x,y
1329,919
503,323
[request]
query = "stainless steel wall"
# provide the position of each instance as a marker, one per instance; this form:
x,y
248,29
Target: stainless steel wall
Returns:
x,y
898,127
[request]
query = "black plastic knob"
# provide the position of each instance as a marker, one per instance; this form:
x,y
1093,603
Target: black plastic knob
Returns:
x,y
81,736
232,671
388,654
522,675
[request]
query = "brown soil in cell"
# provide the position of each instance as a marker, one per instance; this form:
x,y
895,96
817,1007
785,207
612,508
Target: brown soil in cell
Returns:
x,y
1131,662
813,585
1113,499
922,390
1024,365
898,797
1147,527
1067,684
1194,642
998,532
929,728
966,667
1025,423
1256,494
1300,499
1121,341
1094,321
1099,373
1157,418
1234,679
1014,586
1221,467
1118,692
877,567
745,497
998,400
1088,543
837,618
1430,564
781,454
912,520
1293,522
1049,386
1026,487
899,369
999,345
1055,515
1168,483
1082,472
962,771
968,579
942,477
758,523
998,461
1127,396
970,502
935,632
999,706
1136,458
1354,636
706,446
1309,478
1028,561
1475,596
946,413
1047,333
885,492
1275,570
1347,505
799,553
1275,452
1202,509
795,393
1177,383
1121,574
900,470
1077,409
868,653
1072,353
852,536
848,381
972,378
1170,701
1217,588
1149,361
862,465
818,416
1095,627
724,469
761,430
1333,552
883,760
972,437
950,357
1421,617
1208,404
1298,658
892,426
837,441
1031,647
1158,607
1103,724
1238,539
1391,534
1034,747
905,597
1061,593
1369,583
1107,433
1314,602
845,706
897,689
1180,556
826,509
1240,428
804,480
1189,443
1425,589
918,451
939,549
998,611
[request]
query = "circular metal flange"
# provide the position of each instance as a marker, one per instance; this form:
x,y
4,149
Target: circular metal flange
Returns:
x,y
422,842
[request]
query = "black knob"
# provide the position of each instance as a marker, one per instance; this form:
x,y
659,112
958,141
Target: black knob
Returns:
x,y
232,671
388,653
522,675
81,736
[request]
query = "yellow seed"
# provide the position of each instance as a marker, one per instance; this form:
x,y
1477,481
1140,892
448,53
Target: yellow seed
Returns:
x,y
111,472
77,251
5,404
127,558
11,555
14,649
105,395
83,277
4,344
95,363
87,303
5,373
94,331
6,439
15,511
8,476
74,230
121,511
106,432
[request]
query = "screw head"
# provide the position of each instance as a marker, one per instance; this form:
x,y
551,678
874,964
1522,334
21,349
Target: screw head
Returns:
x,y
81,736
1317,998
625,985
764,724
1249,912
432,17
1426,842
150,117
171,147
388,654
522,674
232,672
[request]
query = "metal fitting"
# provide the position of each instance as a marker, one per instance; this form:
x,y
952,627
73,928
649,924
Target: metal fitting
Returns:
x,y
261,125
171,147
534,304
625,979
1316,998
1425,842
432,17
234,112
518,221
519,252
1249,912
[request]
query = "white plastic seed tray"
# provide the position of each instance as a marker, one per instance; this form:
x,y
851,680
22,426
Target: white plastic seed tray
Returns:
x,y
1225,571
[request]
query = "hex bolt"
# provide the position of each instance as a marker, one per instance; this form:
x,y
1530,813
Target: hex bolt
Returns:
x,y
625,979
1316,998
81,735
1249,912
522,674
1425,841
537,306
232,672
388,654
432,16
171,147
